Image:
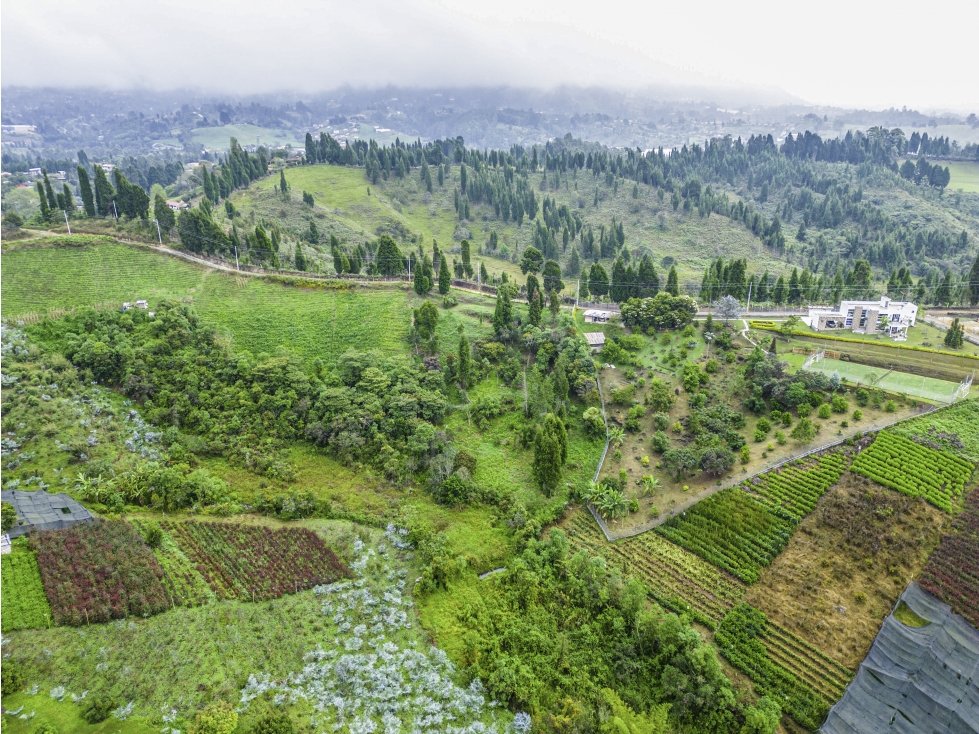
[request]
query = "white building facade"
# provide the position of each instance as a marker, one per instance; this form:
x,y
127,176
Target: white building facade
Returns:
x,y
885,317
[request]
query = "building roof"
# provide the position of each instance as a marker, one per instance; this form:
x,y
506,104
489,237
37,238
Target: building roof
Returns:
x,y
595,338
41,510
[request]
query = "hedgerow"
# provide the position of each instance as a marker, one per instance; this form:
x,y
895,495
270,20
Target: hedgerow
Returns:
x,y
914,470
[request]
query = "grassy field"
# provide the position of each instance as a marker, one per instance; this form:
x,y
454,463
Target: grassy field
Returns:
x,y
965,175
220,137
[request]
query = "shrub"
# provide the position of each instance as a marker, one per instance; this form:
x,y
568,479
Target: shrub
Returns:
x,y
660,442
711,366
764,425
839,404
805,409
154,536
218,718
857,414
644,461
593,423
862,397
780,438
275,721
12,677
825,411
97,709
729,357
624,395
786,419
661,421
745,454
890,406
450,302
759,435
678,427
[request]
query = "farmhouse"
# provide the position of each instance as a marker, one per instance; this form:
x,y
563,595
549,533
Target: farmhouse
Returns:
x,y
178,205
40,510
595,339
891,318
596,317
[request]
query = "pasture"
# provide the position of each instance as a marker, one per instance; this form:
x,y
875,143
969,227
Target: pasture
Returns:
x,y
965,175
918,386
219,138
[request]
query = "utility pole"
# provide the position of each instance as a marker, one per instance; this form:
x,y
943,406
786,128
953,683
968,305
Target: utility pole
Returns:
x,y
749,298
237,267
158,235
114,209
66,220
577,290
409,267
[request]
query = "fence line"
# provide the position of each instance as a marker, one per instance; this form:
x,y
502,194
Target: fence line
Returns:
x,y
613,536
971,338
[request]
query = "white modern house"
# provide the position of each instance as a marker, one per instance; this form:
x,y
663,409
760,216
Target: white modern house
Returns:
x,y
886,317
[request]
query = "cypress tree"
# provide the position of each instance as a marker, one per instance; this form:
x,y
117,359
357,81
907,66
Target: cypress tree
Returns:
x,y
85,187
673,282
795,294
974,282
536,307
466,261
550,453
68,198
104,193
464,366
300,258
445,279
503,313
163,213
574,266
52,199
45,209
283,186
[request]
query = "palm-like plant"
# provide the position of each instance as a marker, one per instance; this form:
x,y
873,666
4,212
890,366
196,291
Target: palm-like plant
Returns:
x,y
649,484
616,436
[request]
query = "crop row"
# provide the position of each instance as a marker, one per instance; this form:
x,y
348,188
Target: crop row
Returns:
x,y
95,572
824,678
186,586
731,529
913,469
817,658
952,571
792,493
24,603
256,563
676,579
737,638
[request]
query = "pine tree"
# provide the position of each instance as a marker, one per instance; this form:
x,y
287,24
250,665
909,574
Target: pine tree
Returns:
x,y
483,275
954,335
550,453
49,192
467,267
795,295
464,364
283,186
85,187
673,282
778,292
163,213
445,279
574,266
536,307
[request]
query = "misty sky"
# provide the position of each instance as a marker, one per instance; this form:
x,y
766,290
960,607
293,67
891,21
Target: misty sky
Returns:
x,y
854,53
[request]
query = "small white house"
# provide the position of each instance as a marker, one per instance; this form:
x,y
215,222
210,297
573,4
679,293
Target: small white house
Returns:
x,y
593,316
887,317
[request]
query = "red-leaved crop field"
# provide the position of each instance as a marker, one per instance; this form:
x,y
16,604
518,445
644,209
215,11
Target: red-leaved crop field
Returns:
x,y
253,563
98,572
952,571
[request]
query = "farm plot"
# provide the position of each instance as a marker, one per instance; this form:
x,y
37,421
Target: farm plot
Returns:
x,y
676,578
914,470
952,571
186,586
24,603
99,571
256,563
732,529
792,493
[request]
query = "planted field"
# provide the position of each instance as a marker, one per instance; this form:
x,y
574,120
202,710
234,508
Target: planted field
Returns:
x,y
914,470
24,603
95,572
186,586
954,429
826,676
676,578
255,563
952,572
792,492
731,529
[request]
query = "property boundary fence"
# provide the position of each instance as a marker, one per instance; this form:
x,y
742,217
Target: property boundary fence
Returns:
x,y
971,338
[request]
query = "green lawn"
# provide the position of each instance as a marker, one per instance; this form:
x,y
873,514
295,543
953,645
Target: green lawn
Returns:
x,y
220,137
928,388
965,175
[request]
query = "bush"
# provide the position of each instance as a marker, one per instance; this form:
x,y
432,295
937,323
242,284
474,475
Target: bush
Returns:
x,y
661,421
711,366
450,302
12,677
839,404
593,423
275,721
218,718
890,406
154,536
745,454
97,709
825,411
786,419
780,438
805,409
660,442
862,397
764,425
759,435
729,357
624,395
857,414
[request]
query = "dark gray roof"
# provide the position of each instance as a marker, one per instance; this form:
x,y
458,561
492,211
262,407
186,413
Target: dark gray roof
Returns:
x,y
915,679
40,510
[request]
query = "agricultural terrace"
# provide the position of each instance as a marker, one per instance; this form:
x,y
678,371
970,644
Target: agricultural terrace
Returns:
x,y
684,422
954,429
914,470
952,572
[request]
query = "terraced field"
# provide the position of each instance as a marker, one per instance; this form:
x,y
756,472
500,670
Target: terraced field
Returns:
x,y
676,578
826,676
